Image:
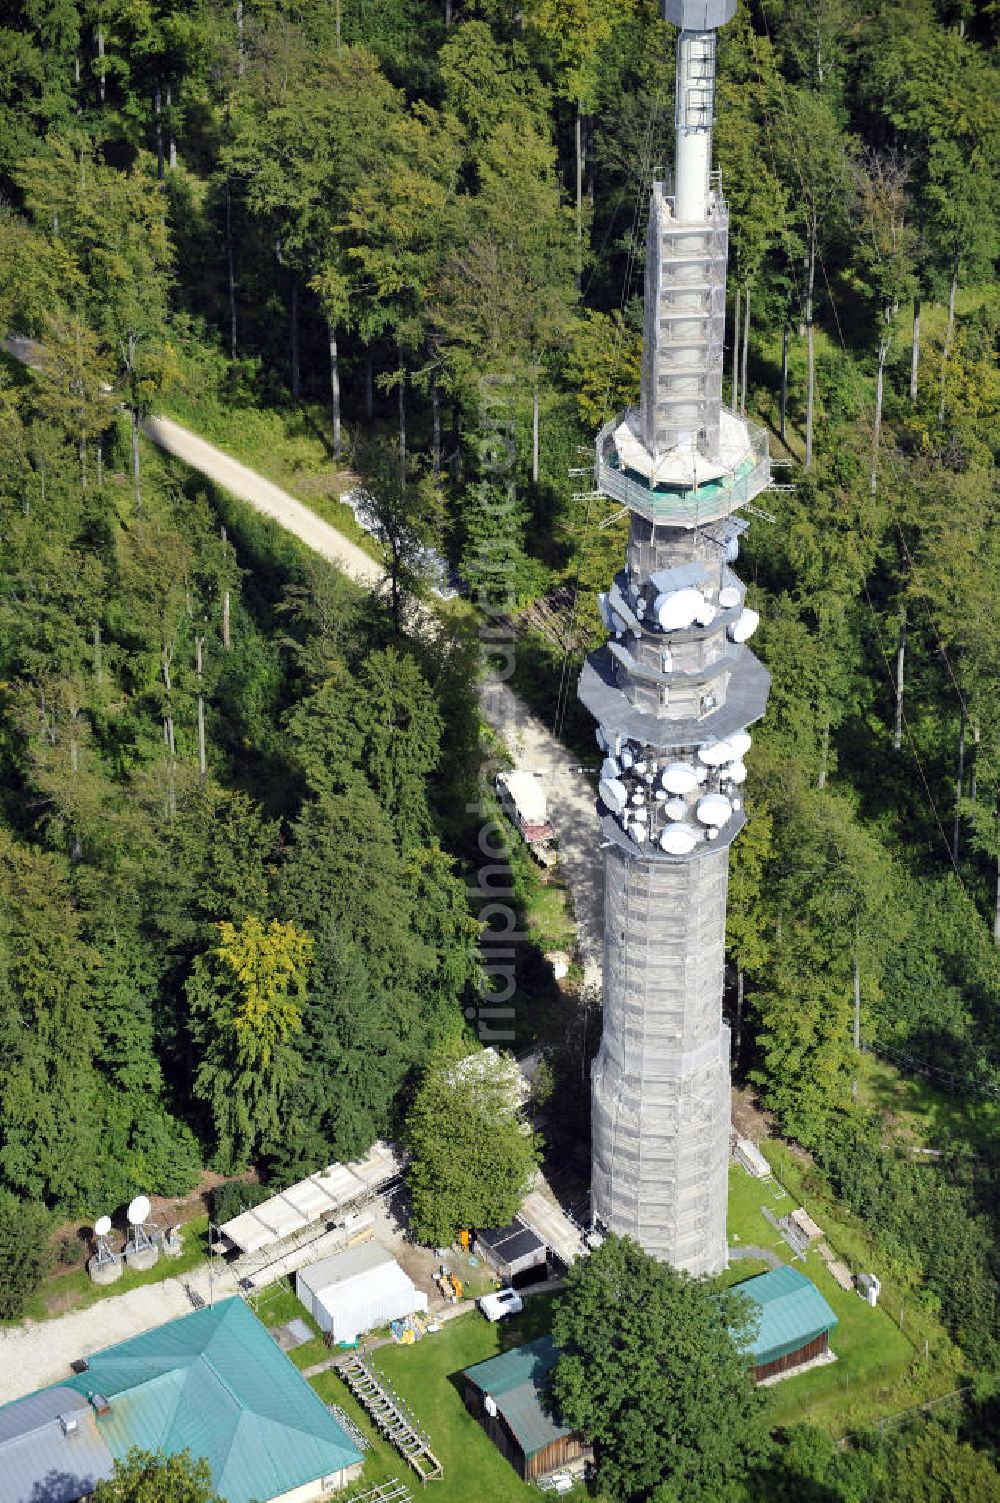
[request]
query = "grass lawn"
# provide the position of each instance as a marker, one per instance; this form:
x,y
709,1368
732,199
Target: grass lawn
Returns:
x,y
924,1114
424,1376
62,1292
276,1307
879,1369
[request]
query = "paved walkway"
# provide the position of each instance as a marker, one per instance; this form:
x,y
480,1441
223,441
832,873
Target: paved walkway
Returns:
x,y
37,1353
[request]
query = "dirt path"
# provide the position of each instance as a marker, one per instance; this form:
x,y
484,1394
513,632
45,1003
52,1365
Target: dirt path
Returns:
x,y
570,796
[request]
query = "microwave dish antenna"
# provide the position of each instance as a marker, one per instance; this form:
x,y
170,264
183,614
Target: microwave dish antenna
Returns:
x,y
138,1210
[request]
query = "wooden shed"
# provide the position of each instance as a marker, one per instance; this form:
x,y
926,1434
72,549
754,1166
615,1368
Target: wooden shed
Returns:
x,y
508,1396
515,1252
794,1321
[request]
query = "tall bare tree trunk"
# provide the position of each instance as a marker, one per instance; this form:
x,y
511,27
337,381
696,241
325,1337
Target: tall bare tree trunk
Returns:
x,y
915,349
534,430
975,759
294,333
447,14
402,415
436,427
949,332
241,57
857,1022
956,833
883,351
810,350
784,383
739,1014
734,400
579,196
159,133
101,85
230,262
824,755
199,643
134,415
334,390
897,735
99,446
171,138
996,911
746,343
226,635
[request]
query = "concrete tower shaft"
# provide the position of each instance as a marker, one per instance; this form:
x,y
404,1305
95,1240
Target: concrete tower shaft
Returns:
x,y
672,692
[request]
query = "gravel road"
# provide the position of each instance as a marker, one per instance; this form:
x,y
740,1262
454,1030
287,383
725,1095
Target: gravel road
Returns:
x,y
570,795
35,1354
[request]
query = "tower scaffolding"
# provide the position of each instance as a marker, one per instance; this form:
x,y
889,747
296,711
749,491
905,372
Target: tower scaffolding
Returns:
x,y
672,692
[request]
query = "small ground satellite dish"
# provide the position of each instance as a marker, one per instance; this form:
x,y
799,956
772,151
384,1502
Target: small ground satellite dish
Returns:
x,y
102,1226
138,1210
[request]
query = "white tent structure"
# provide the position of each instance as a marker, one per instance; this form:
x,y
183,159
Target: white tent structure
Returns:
x,y
356,1291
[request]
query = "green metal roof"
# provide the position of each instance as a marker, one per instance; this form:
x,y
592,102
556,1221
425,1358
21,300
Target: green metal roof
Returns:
x,y
215,1382
516,1380
791,1309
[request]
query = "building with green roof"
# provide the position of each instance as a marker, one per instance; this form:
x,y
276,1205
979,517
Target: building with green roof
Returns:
x,y
794,1321
217,1384
509,1397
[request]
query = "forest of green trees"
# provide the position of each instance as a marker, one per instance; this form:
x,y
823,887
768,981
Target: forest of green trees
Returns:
x,y
234,920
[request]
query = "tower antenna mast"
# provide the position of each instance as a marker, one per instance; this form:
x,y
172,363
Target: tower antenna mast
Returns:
x,y
672,692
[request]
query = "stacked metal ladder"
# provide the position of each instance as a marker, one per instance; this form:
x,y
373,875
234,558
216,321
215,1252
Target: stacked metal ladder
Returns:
x,y
385,1492
391,1416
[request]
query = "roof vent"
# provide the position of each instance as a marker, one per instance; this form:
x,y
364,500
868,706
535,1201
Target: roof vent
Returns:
x,y
99,1403
70,1424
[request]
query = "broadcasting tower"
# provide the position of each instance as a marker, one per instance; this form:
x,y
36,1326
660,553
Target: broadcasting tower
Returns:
x,y
672,692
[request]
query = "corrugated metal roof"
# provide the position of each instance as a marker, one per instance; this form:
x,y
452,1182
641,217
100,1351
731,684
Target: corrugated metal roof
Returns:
x,y
516,1380
343,1265
327,1193
791,1309
215,1383
39,1461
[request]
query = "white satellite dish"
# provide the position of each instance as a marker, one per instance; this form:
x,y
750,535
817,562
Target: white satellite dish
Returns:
x,y
737,773
138,1210
102,1226
613,793
741,743
678,840
679,777
729,596
676,809
744,626
706,615
638,832
714,809
609,769
717,753
678,609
